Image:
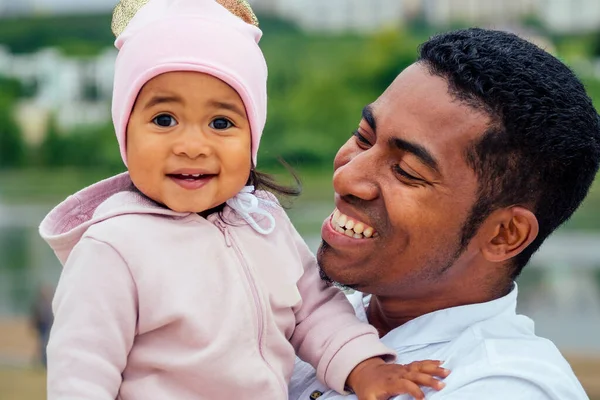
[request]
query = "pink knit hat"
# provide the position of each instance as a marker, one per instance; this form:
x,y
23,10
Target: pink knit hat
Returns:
x,y
189,35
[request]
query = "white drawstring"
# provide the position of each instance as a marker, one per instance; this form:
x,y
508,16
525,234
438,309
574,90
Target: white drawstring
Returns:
x,y
246,203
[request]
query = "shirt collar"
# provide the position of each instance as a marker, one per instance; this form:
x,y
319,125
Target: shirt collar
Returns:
x,y
442,325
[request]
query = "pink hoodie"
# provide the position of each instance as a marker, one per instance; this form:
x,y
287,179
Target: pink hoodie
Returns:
x,y
155,304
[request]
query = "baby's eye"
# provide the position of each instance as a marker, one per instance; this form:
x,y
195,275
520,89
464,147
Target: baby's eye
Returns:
x,y
220,124
165,121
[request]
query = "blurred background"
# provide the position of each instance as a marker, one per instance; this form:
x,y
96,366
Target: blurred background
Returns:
x,y
327,60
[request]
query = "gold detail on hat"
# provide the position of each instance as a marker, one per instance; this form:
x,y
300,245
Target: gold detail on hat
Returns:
x,y
126,10
124,13
242,9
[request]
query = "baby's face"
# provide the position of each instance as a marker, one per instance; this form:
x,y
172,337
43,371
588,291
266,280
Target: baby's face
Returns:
x,y
188,141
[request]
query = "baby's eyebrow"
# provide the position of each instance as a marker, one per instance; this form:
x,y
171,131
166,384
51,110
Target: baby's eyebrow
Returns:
x,y
160,99
228,106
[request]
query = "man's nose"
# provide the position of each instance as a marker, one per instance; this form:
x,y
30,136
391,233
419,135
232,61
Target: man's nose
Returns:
x,y
356,176
192,142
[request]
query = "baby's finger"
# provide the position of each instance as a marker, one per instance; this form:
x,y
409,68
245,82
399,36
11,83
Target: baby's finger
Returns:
x,y
369,397
430,367
425,380
411,388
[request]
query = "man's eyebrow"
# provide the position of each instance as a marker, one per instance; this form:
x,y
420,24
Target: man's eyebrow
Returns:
x,y
228,106
367,114
417,150
160,99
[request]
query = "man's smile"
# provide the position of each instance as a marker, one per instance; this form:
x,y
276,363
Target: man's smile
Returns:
x,y
351,227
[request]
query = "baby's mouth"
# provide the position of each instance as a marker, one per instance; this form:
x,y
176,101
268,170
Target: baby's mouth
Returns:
x,y
190,177
351,227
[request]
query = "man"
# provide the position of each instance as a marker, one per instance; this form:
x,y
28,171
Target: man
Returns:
x,y
454,178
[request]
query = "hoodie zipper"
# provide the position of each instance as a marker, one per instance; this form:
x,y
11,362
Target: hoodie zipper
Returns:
x,y
230,242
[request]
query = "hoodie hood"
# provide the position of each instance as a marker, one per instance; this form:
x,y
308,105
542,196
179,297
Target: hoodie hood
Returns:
x,y
65,225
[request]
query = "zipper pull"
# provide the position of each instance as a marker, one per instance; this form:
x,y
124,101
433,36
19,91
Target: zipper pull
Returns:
x,y
223,227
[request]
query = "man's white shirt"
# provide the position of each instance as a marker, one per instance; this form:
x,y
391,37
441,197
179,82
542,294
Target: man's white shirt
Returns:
x,y
492,351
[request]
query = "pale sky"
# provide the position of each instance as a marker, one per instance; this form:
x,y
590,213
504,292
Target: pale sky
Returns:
x,y
59,6
68,5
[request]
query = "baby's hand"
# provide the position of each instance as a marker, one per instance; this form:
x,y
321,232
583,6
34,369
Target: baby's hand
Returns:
x,y
373,379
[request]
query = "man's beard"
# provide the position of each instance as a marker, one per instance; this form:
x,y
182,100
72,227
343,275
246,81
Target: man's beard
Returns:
x,y
434,273
326,278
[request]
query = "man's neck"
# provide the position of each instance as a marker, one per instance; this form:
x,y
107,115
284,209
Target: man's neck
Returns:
x,y
388,313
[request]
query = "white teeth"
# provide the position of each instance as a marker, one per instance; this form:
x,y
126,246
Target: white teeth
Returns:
x,y
336,214
347,226
359,228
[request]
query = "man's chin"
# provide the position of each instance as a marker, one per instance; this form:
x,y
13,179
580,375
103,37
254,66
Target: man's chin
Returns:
x,y
324,276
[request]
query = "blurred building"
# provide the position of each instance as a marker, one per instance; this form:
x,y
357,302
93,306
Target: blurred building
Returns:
x,y
73,91
9,8
265,7
364,16
570,16
12,7
446,12
368,15
556,15
335,15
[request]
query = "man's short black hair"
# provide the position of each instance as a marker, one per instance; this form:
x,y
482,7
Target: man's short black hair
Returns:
x,y
542,148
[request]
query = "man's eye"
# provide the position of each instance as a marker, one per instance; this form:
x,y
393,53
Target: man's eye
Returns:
x,y
361,139
221,124
164,121
406,175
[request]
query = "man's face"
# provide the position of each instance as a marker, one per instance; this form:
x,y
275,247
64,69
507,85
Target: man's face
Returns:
x,y
404,183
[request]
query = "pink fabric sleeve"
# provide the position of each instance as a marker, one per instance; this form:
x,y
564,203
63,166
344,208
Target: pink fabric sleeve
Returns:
x,y
328,335
95,310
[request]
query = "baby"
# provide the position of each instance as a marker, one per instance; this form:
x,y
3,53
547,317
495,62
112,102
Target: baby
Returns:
x,y
181,280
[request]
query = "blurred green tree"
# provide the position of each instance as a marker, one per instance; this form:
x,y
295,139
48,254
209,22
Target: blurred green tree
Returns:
x,y
317,90
12,147
77,35
93,147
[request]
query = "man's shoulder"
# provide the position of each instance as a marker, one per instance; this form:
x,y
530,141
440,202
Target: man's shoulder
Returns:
x,y
511,375
500,355
506,338
505,352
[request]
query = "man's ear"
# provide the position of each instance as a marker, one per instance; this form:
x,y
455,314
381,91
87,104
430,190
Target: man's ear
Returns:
x,y
507,232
